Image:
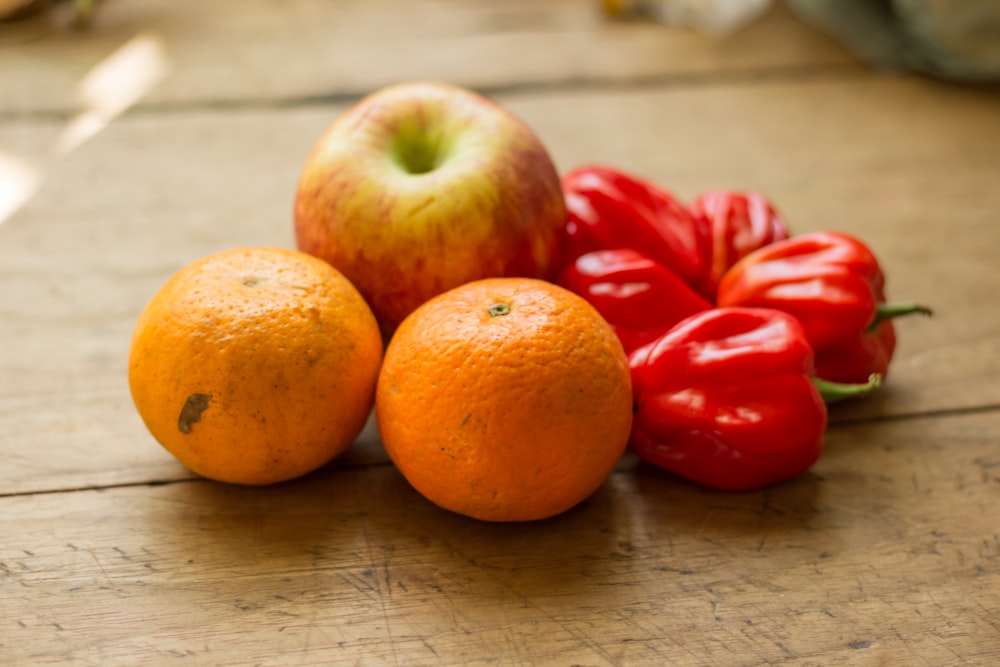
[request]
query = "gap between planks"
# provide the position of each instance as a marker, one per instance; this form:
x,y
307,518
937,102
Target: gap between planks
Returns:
x,y
656,82
835,424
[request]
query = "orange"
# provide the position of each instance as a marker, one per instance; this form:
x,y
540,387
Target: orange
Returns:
x,y
505,399
255,365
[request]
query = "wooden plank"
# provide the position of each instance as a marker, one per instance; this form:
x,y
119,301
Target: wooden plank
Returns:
x,y
887,553
912,171
233,50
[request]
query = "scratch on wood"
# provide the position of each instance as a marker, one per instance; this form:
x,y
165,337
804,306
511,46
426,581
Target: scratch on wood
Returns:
x,y
428,646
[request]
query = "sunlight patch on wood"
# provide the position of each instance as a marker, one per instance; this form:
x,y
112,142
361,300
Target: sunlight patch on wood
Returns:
x,y
109,89
112,86
18,182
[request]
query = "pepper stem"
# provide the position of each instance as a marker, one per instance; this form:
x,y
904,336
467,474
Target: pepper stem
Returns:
x,y
838,391
889,311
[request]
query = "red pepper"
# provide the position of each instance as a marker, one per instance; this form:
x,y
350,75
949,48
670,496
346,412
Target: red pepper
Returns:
x,y
736,224
727,398
638,297
609,209
833,284
870,352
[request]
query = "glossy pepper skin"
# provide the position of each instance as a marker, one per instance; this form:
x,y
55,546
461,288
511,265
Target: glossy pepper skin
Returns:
x,y
608,209
735,224
638,297
870,352
726,399
833,284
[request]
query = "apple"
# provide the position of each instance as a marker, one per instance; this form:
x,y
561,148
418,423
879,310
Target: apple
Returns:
x,y
421,187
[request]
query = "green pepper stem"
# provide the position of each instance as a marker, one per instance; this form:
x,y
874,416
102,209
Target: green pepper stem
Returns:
x,y
838,391
889,311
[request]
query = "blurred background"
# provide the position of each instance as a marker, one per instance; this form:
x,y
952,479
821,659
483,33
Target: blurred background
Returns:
x,y
73,66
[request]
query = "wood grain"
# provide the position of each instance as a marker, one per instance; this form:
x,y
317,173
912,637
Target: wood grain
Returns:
x,y
887,553
238,51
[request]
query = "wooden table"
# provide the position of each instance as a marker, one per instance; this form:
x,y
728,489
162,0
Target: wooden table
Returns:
x,y
886,553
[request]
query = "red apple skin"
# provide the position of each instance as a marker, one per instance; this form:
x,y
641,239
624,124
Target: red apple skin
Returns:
x,y
487,202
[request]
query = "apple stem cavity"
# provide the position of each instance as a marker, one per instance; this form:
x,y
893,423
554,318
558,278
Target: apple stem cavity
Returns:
x,y
498,310
418,150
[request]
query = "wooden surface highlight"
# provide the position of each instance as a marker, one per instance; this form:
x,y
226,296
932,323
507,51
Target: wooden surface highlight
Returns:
x,y
885,553
233,51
